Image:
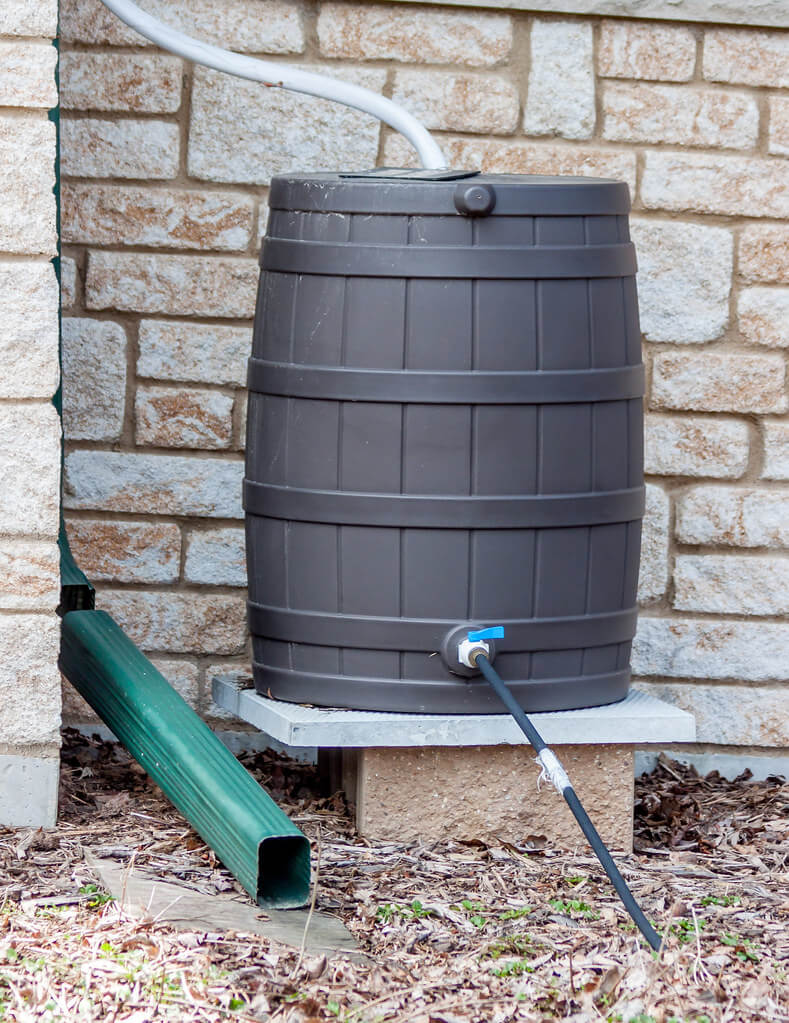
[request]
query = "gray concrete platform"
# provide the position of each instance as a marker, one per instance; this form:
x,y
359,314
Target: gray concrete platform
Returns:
x,y
636,721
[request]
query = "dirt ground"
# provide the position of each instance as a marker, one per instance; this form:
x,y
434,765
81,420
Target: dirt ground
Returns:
x,y
447,932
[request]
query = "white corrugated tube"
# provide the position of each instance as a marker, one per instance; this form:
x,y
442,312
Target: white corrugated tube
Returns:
x,y
282,76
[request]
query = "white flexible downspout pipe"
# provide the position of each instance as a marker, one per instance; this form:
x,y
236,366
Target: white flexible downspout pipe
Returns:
x,y
282,76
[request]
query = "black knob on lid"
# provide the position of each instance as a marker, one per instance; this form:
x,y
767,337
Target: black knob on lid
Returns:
x,y
474,200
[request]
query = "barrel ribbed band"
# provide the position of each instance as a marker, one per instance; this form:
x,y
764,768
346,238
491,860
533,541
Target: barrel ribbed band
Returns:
x,y
362,259
419,634
443,512
474,387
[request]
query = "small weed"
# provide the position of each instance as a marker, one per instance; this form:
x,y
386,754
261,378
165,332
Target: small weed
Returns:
x,y
515,914
720,900
513,968
745,949
475,911
389,910
686,930
575,880
99,898
568,906
642,1017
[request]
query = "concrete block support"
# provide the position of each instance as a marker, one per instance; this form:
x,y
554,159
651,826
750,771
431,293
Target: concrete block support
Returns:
x,y
29,790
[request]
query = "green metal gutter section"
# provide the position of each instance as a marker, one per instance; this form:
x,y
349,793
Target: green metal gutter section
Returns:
x,y
254,839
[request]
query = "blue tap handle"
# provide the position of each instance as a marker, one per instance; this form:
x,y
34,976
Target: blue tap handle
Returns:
x,y
495,632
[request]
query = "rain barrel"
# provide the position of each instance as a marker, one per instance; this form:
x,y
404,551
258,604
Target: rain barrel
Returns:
x,y
444,429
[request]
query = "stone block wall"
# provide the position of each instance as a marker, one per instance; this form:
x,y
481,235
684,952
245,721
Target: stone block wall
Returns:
x,y
29,425
164,199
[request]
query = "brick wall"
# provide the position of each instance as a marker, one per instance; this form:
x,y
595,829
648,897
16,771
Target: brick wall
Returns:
x,y
29,426
164,206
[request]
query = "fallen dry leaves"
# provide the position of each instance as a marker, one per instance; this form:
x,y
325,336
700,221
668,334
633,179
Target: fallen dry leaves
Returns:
x,y
448,932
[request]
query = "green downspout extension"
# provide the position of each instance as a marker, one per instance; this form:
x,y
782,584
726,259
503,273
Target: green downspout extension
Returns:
x,y
254,839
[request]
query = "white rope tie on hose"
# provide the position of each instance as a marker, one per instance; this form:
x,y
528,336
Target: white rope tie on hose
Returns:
x,y
552,771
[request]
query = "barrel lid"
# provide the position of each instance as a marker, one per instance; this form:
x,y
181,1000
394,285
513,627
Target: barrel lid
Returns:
x,y
386,192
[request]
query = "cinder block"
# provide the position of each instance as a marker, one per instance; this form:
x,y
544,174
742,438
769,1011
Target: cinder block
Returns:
x,y
28,791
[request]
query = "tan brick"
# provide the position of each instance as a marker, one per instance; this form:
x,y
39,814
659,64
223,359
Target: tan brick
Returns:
x,y
29,18
177,417
730,714
126,552
413,35
27,177
446,101
746,57
779,125
764,253
29,575
92,148
179,285
707,183
27,74
94,379
776,451
28,330
194,352
154,484
653,572
695,446
175,218
69,282
731,584
29,470
718,382
183,676
246,26
679,115
763,315
29,679
561,93
178,623
701,648
216,557
631,49
242,132
130,82
684,279
733,517
511,157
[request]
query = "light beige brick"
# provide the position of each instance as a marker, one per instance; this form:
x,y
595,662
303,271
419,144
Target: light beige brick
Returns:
x,y
631,49
29,575
246,26
27,177
179,285
69,282
732,584
653,573
511,157
719,382
763,315
701,648
29,679
216,557
776,452
183,676
679,115
140,83
92,148
707,183
194,352
561,91
154,484
177,417
29,18
746,57
242,407
27,74
174,218
94,379
733,517
695,446
126,552
779,125
28,330
178,623
242,132
413,35
684,279
764,253
29,470
446,101
730,714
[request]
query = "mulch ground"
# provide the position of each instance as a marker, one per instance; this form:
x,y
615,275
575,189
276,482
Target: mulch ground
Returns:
x,y
448,932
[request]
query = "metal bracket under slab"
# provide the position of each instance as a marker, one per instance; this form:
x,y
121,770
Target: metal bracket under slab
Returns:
x,y
638,720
